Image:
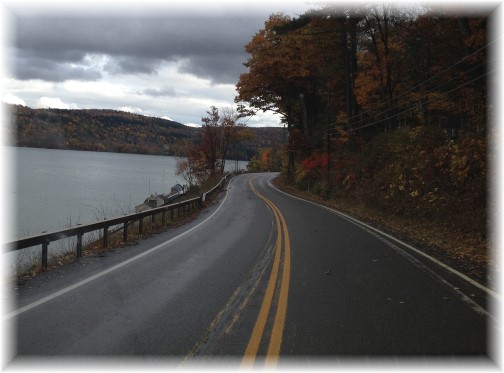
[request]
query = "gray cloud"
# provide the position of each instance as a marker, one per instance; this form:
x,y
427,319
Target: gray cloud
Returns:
x,y
55,48
132,51
44,69
224,68
157,92
132,65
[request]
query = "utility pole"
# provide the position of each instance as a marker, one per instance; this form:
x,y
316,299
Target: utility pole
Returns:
x,y
328,189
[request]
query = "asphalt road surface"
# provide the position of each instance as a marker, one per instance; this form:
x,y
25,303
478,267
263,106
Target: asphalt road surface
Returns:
x,y
258,278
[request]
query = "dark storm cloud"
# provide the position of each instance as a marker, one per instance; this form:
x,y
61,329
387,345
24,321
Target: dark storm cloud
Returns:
x,y
56,48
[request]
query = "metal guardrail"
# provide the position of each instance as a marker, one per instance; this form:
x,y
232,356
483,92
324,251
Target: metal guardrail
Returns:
x,y
46,238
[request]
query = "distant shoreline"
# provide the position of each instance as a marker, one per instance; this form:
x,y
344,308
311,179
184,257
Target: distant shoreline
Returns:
x,y
118,132
106,151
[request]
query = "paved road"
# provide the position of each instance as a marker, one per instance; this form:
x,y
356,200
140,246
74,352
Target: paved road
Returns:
x,y
258,274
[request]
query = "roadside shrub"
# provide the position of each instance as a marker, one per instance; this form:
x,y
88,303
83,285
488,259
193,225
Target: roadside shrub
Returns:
x,y
418,173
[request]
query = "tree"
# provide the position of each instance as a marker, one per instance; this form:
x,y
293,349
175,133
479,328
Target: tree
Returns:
x,y
445,74
193,168
381,62
211,134
222,132
265,86
240,135
293,70
268,159
230,136
333,71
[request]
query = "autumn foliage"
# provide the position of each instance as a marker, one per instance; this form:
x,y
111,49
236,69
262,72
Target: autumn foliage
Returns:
x,y
220,135
121,132
384,106
269,159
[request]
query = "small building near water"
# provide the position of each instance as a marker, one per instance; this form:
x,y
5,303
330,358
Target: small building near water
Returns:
x,y
155,200
177,188
150,202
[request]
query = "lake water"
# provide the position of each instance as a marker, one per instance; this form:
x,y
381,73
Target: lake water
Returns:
x,y
48,190
55,189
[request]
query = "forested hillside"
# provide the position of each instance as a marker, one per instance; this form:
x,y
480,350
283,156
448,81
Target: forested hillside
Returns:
x,y
386,109
116,131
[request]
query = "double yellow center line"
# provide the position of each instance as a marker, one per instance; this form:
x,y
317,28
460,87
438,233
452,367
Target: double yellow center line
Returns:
x,y
274,286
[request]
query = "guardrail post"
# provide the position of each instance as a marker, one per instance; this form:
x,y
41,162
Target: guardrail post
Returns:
x,y
79,245
163,218
46,239
44,254
105,238
125,231
153,221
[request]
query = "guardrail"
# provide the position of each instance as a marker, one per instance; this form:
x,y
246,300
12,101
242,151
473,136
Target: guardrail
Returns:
x,y
45,239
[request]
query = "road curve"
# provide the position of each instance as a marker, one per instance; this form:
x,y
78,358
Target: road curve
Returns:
x,y
258,278
355,292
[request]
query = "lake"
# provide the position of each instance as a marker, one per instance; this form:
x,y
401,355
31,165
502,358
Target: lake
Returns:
x,y
56,189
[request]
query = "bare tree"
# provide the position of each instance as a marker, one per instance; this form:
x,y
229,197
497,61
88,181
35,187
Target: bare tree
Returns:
x,y
221,134
229,127
211,135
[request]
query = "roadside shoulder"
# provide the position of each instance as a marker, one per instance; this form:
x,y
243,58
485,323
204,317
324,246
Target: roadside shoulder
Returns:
x,y
475,266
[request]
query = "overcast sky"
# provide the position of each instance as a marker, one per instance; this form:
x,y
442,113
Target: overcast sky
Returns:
x,y
170,59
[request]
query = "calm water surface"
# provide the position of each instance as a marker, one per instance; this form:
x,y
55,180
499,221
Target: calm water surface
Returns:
x,y
56,189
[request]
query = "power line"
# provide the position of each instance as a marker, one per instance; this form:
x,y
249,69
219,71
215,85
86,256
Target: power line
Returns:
x,y
423,103
424,82
423,95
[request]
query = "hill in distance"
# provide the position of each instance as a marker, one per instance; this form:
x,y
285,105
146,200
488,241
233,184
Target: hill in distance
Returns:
x,y
116,131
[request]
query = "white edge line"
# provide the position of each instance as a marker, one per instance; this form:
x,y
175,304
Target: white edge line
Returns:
x,y
358,222
111,269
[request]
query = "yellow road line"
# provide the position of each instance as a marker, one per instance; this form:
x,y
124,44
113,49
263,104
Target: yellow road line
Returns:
x,y
255,339
245,301
278,326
